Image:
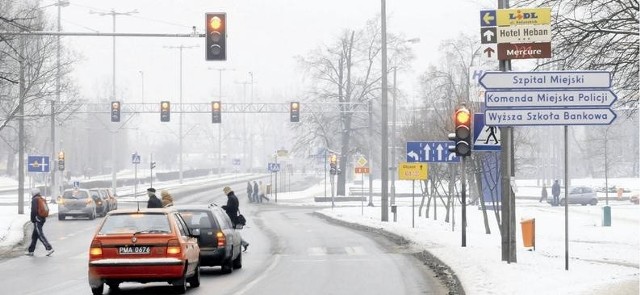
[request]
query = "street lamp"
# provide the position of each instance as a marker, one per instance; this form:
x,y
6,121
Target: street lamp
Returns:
x,y
393,131
220,70
141,86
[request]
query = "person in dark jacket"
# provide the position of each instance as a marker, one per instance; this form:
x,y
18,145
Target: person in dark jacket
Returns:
x,y
256,192
249,191
153,202
38,221
555,191
233,208
543,194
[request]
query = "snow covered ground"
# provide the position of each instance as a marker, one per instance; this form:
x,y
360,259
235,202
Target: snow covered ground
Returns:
x,y
602,260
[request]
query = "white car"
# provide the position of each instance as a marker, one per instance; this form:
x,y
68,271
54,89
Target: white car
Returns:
x,y
582,195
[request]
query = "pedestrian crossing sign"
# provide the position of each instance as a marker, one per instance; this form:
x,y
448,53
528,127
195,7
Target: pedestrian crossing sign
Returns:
x,y
485,138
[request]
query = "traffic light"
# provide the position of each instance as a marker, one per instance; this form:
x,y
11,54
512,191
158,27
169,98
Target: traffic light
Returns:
x,y
216,44
165,111
462,133
61,161
115,111
152,164
333,164
294,112
216,116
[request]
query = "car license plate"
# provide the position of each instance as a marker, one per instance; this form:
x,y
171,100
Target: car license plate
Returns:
x,y
134,250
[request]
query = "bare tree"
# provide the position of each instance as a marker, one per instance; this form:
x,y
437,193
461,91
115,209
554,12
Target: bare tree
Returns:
x,y
346,72
597,35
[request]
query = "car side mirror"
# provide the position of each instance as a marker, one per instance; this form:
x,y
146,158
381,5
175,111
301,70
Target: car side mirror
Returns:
x,y
195,232
239,226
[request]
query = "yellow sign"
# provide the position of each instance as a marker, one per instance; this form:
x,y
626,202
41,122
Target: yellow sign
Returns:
x,y
523,16
413,171
362,161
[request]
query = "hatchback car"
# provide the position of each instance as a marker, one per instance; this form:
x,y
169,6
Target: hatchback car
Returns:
x,y
111,199
582,195
150,245
102,201
220,243
77,202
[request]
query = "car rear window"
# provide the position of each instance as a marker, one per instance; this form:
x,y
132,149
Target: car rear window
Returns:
x,y
75,195
197,218
136,222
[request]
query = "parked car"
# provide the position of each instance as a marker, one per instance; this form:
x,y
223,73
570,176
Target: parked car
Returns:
x,y
634,199
111,199
582,195
220,243
147,245
101,200
77,202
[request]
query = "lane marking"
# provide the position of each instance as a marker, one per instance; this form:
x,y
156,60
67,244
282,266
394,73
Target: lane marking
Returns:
x,y
264,274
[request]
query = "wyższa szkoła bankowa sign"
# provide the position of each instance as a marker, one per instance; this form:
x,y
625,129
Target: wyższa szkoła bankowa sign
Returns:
x,y
548,98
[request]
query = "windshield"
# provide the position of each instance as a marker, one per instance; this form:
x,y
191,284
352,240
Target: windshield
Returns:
x,y
75,195
136,223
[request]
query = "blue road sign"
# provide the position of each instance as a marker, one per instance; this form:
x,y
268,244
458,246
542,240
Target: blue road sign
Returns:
x,y
38,163
546,80
274,167
135,158
485,138
235,162
487,18
431,152
545,117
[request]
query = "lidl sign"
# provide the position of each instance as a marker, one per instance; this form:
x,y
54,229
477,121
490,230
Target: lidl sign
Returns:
x,y
523,16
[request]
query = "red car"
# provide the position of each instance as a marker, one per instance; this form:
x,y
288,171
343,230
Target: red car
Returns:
x,y
148,245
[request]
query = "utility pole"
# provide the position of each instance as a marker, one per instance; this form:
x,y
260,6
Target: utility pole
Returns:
x,y
251,129
220,70
54,188
141,86
244,124
114,164
22,93
181,47
384,169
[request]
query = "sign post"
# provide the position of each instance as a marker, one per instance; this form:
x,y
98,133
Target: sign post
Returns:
x,y
135,160
413,172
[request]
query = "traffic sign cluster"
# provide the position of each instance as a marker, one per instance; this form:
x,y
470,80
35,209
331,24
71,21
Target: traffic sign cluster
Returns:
x,y
548,98
520,33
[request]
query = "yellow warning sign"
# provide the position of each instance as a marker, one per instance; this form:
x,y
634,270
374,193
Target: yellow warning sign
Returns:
x,y
413,171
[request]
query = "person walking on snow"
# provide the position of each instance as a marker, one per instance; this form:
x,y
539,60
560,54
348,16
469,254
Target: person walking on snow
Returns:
x,y
167,199
39,214
543,194
153,202
233,208
555,191
256,190
249,191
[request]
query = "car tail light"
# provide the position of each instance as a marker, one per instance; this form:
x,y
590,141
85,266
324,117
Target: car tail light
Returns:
x,y
222,240
95,249
173,247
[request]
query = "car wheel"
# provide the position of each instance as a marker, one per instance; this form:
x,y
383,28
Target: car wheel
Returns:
x,y
237,263
180,286
61,217
93,215
113,286
227,266
97,290
194,281
594,202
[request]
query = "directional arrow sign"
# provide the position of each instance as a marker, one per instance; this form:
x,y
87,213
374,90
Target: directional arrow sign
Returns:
x,y
549,98
487,18
430,151
535,117
488,35
546,80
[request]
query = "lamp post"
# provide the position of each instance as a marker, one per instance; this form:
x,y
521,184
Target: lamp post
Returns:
x,y
113,14
181,47
220,70
393,133
141,86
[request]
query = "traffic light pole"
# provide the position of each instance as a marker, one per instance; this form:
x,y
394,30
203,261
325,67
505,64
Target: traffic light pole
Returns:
x,y
463,178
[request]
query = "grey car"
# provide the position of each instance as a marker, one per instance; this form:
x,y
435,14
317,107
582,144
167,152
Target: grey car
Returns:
x,y
77,202
582,195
